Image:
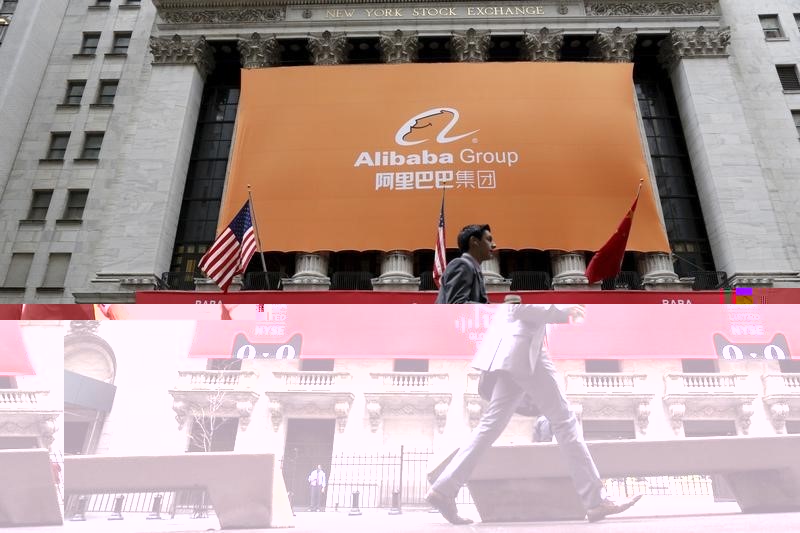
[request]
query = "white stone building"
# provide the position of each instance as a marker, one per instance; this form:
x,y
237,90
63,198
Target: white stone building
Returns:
x,y
116,134
354,415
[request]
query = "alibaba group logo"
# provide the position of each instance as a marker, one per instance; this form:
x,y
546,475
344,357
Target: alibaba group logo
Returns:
x,y
423,127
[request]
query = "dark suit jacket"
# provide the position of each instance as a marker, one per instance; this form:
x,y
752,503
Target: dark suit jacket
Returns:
x,y
462,283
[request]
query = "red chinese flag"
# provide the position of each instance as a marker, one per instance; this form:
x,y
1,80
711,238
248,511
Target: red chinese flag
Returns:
x,y
607,262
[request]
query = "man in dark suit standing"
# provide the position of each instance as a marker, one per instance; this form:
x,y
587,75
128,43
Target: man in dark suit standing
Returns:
x,y
462,281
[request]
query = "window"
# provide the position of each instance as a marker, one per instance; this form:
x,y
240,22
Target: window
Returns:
x,y
789,366
700,366
74,92
89,44
797,20
133,2
771,26
39,204
8,382
121,42
8,7
91,146
58,145
788,77
411,365
17,275
76,203
317,365
56,272
107,92
102,3
796,117
602,366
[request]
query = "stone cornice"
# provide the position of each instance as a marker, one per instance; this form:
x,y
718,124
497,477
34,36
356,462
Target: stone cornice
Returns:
x,y
610,8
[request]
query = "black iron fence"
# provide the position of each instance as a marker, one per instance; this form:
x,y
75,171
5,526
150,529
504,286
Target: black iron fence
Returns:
x,y
377,476
161,503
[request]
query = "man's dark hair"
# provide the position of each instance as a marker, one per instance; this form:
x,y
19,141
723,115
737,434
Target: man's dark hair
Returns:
x,y
467,232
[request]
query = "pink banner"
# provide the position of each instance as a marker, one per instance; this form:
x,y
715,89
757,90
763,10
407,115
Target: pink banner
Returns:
x,y
733,332
13,355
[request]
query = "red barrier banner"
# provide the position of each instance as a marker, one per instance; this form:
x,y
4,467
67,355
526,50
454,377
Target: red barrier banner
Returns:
x,y
13,354
285,331
760,296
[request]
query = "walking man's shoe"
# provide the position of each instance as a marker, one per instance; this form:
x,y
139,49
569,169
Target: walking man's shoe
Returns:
x,y
609,507
447,507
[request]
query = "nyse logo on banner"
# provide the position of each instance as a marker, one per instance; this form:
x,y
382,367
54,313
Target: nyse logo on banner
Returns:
x,y
434,126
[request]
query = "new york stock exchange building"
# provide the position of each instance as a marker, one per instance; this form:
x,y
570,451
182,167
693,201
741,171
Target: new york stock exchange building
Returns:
x,y
352,125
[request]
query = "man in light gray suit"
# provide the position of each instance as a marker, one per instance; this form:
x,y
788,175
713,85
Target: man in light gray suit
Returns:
x,y
512,351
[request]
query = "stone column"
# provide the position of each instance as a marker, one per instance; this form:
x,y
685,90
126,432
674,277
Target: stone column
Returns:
x,y
310,273
258,52
494,281
155,162
327,48
311,268
470,46
399,46
569,271
397,272
543,45
658,273
397,266
730,182
616,46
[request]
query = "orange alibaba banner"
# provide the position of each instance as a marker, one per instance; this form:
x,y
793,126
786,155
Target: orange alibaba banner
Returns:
x,y
358,157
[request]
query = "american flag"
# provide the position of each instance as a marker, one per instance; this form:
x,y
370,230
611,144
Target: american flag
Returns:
x,y
231,251
439,257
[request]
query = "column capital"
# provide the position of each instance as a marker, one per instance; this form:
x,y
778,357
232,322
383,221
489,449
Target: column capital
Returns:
x,y
327,48
399,46
470,46
684,44
615,46
177,50
259,52
543,45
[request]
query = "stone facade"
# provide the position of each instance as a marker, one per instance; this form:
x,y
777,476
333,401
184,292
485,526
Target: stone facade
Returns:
x,y
737,119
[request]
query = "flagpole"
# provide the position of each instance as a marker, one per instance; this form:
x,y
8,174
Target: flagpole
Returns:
x,y
258,237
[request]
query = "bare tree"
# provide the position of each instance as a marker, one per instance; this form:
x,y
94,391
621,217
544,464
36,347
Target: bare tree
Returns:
x,y
206,420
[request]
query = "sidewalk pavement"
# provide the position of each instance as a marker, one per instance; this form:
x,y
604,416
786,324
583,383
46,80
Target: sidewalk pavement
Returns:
x,y
653,514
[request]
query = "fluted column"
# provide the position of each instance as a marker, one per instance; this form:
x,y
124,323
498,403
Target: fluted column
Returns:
x,y
259,52
716,130
658,273
615,46
470,46
311,268
310,273
569,271
494,281
543,45
399,46
327,48
397,272
397,266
